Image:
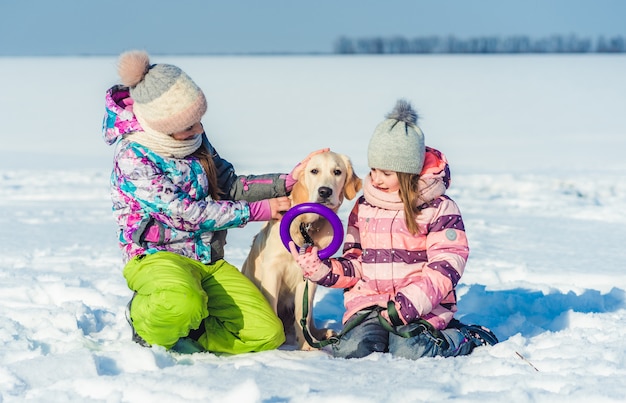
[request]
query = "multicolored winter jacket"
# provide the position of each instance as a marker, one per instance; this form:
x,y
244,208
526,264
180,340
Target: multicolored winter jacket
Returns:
x,y
163,204
383,262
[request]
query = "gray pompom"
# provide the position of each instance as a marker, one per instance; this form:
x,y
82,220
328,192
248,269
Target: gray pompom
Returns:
x,y
403,112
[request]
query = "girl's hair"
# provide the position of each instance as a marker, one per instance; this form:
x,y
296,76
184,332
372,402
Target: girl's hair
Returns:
x,y
206,160
409,195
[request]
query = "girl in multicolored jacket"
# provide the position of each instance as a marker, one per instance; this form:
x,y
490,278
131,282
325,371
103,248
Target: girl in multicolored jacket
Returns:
x,y
174,198
404,253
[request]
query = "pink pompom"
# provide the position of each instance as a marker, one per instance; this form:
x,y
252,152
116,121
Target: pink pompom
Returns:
x,y
133,66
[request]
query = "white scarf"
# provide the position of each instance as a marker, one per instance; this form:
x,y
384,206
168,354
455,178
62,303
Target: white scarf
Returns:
x,y
163,144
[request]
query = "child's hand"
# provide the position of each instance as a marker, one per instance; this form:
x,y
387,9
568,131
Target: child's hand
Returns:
x,y
278,206
385,315
310,263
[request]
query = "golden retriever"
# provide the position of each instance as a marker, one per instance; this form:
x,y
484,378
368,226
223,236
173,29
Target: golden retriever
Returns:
x,y
328,178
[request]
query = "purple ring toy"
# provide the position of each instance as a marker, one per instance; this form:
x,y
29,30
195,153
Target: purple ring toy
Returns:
x,y
315,208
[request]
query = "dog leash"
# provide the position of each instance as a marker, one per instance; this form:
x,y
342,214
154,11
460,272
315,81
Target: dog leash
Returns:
x,y
308,241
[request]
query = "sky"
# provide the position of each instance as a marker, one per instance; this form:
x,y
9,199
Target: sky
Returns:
x,y
535,145
79,27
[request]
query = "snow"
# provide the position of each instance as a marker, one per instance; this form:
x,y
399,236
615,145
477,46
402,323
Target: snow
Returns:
x,y
535,144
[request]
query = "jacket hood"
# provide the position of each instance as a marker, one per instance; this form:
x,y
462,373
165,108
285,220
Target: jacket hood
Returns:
x,y
435,175
119,118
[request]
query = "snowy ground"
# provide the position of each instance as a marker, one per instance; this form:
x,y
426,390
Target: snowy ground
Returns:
x,y
536,147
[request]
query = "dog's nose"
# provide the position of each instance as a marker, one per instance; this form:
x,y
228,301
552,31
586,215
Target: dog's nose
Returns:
x,y
325,192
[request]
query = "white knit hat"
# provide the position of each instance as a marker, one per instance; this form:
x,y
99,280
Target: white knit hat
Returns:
x,y
398,143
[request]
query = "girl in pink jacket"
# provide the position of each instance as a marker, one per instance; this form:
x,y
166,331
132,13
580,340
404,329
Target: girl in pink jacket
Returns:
x,y
404,253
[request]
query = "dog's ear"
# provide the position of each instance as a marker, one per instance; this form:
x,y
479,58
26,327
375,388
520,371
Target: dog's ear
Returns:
x,y
299,193
353,182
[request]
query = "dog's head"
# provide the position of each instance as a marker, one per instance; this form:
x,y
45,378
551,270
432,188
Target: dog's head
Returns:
x,y
327,179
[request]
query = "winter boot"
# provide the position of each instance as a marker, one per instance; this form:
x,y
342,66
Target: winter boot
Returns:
x,y
478,334
481,335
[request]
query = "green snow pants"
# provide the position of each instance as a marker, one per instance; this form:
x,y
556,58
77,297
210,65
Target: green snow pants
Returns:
x,y
175,294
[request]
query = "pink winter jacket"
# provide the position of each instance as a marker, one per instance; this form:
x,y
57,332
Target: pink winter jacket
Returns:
x,y
383,262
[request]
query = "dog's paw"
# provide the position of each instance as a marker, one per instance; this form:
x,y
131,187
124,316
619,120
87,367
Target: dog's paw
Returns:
x,y
307,347
329,333
324,334
320,334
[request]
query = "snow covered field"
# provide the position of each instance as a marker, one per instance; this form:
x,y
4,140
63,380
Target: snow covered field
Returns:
x,y
536,146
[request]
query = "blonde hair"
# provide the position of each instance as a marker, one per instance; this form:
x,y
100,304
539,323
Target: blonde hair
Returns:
x,y
206,160
409,194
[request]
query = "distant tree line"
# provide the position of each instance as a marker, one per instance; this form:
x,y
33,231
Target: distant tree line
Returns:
x,y
485,44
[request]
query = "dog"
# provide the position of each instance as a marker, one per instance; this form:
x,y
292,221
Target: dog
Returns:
x,y
328,178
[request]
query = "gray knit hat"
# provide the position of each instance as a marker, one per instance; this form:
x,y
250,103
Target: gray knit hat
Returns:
x,y
398,143
166,99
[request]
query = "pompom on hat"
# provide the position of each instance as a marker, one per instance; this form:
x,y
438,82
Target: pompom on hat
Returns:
x,y
165,98
398,143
